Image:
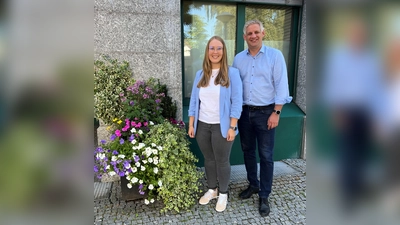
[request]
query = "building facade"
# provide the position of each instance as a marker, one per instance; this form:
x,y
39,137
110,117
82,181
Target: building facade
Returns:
x,y
165,39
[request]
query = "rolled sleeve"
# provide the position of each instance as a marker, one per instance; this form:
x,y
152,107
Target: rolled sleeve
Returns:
x,y
281,80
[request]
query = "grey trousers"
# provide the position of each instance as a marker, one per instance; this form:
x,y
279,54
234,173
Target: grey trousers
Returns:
x,y
216,151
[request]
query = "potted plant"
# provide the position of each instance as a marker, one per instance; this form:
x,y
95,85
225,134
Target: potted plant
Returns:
x,y
148,151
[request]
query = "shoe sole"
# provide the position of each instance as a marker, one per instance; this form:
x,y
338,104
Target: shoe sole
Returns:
x,y
207,202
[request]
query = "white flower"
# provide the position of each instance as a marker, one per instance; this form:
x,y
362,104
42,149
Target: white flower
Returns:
x,y
155,152
121,156
159,148
140,132
155,162
160,183
128,166
152,200
140,181
134,169
141,145
151,123
148,152
114,158
151,187
144,161
150,160
133,130
133,141
112,173
108,167
101,155
137,164
155,170
146,202
129,185
142,168
153,145
134,180
127,175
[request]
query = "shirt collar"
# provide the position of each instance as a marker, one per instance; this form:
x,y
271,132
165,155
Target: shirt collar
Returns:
x,y
262,50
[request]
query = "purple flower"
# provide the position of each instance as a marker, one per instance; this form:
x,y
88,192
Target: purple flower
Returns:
x,y
131,138
141,192
99,149
115,152
113,136
158,101
121,173
140,186
131,103
96,169
121,141
126,163
103,141
136,158
99,176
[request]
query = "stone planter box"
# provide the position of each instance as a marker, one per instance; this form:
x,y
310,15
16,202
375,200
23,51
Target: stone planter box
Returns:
x,y
130,193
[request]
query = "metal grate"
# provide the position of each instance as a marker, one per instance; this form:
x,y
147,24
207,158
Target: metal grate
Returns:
x,y
101,189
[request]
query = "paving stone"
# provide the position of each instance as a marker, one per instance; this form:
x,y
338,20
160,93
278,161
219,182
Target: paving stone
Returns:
x,y
287,201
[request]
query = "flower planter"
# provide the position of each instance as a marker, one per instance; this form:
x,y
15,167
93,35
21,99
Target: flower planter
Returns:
x,y
130,193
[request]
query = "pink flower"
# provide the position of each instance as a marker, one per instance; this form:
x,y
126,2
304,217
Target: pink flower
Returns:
x,y
145,124
118,133
139,125
133,124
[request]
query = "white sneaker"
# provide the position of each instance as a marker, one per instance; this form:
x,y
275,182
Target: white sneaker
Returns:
x,y
222,202
210,194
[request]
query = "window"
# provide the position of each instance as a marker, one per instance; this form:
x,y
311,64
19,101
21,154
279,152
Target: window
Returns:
x,y
202,20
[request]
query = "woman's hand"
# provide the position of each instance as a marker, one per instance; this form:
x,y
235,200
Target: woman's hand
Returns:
x,y
191,131
231,135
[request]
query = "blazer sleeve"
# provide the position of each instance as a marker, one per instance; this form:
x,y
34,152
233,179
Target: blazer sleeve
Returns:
x,y
193,96
236,93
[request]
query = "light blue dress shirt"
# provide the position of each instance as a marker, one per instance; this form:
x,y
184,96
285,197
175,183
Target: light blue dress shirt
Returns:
x,y
230,100
264,77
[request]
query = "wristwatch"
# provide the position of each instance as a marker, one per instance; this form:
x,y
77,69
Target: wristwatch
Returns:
x,y
277,111
233,128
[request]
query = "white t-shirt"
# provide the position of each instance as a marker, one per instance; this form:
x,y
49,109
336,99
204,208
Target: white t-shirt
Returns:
x,y
209,101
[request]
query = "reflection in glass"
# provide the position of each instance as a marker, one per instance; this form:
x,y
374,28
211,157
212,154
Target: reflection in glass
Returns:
x,y
200,23
277,25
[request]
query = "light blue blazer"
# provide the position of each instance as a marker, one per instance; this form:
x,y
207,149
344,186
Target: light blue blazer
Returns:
x,y
230,100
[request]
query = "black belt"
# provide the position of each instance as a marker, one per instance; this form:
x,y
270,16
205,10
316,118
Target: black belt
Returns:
x,y
252,107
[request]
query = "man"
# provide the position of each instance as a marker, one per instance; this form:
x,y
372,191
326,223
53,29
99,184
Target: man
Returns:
x,y
265,91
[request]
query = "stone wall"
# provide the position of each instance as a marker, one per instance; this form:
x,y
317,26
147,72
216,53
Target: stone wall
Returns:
x,y
301,72
147,34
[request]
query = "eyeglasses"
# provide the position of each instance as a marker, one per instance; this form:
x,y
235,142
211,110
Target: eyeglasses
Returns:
x,y
219,48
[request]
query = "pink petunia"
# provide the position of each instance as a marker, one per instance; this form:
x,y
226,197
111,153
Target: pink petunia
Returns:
x,y
145,124
133,124
118,133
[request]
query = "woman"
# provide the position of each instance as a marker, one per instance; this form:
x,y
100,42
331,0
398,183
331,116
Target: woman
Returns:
x,y
215,107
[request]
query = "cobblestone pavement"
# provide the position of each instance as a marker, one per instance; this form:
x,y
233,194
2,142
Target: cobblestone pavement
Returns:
x,y
287,202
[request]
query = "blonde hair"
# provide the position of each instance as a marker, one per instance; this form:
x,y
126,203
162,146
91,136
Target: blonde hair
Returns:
x,y
222,77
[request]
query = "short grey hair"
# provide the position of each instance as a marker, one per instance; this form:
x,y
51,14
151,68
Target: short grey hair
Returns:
x,y
251,22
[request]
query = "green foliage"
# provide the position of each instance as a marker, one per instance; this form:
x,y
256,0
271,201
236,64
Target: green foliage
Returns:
x,y
110,80
179,175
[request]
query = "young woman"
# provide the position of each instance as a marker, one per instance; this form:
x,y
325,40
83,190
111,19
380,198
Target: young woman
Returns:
x,y
215,107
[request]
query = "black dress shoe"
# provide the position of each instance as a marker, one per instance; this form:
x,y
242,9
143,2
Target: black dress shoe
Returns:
x,y
248,192
264,207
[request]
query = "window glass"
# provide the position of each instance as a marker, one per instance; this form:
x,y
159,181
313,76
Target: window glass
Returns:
x,y
277,26
201,21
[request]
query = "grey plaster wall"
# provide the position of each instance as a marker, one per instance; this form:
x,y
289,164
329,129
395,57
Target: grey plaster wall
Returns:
x,y
301,73
147,34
